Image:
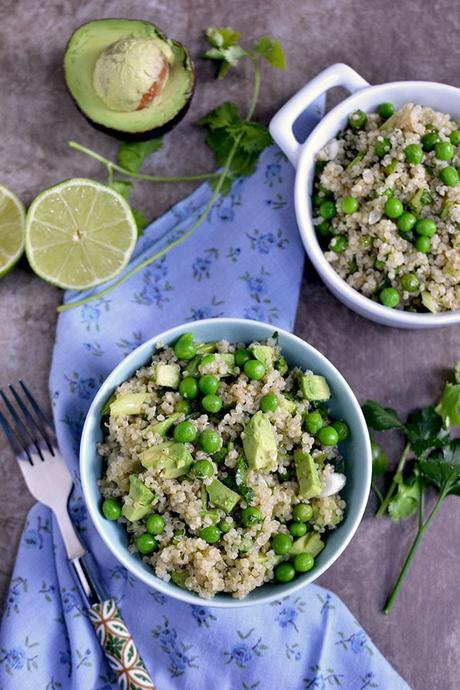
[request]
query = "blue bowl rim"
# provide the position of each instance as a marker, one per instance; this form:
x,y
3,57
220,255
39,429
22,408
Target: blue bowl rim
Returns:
x,y
134,565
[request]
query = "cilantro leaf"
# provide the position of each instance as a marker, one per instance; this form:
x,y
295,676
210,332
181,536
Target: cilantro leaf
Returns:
x,y
457,372
256,137
442,468
141,221
381,418
424,430
271,50
405,502
379,459
449,405
122,187
132,155
225,116
225,49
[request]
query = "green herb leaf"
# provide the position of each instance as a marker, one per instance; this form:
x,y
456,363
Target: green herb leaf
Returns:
x,y
381,418
256,138
132,155
379,459
457,372
122,187
141,221
442,468
241,471
405,502
424,430
449,405
271,50
225,116
224,48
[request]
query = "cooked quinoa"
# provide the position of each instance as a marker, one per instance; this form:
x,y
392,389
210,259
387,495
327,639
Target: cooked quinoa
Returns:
x,y
382,250
279,478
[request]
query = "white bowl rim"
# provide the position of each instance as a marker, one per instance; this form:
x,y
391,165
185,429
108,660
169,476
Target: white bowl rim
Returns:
x,y
124,556
308,150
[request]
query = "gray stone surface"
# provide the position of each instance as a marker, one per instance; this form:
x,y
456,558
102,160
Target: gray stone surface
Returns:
x,y
383,40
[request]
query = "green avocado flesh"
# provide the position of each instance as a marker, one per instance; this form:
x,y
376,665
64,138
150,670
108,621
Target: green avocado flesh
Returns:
x,y
93,44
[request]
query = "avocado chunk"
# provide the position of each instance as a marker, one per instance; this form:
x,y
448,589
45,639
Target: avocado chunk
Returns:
x,y
259,443
128,78
286,404
139,500
310,484
179,577
162,428
173,459
264,353
221,496
167,375
128,403
309,543
314,387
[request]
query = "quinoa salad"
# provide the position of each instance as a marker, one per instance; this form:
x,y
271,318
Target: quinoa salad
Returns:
x,y
222,464
386,206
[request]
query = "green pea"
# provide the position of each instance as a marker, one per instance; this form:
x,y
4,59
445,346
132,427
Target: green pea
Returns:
x,y
342,429
413,154
298,529
220,455
385,110
226,525
379,459
357,120
449,176
423,244
410,282
327,209
379,265
281,544
251,516
406,222
393,208
444,151
389,297
303,562
202,469
185,432
284,572
382,146
269,403
146,543
302,512
155,524
349,204
425,227
209,441
210,534
313,422
183,406
366,242
184,347
188,388
391,167
429,141
323,228
111,509
254,370
328,436
455,137
212,403
241,357
208,384
338,244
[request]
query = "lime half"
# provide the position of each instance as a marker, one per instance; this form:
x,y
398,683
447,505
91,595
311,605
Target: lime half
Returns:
x,y
12,218
79,234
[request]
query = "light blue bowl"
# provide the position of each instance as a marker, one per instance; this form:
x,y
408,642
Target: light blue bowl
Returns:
x,y
343,404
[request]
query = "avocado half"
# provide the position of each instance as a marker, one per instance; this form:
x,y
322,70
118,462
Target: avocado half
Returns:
x,y
128,78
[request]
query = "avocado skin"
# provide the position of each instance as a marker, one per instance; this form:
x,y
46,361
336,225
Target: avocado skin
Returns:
x,y
154,132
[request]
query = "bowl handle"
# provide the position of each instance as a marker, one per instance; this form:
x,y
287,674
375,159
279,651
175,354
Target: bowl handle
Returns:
x,y
282,125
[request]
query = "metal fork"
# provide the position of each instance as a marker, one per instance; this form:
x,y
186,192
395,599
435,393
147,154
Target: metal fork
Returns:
x,y
33,440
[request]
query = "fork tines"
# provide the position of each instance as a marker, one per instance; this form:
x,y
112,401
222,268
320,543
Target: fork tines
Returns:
x,y
30,427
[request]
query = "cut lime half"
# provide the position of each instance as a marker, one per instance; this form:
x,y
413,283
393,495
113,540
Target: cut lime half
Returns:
x,y
79,234
12,218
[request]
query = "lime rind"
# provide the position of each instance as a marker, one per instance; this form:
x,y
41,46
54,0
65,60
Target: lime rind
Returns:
x,y
12,223
79,234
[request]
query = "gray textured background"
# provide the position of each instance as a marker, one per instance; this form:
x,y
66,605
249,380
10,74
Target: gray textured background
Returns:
x,y
384,40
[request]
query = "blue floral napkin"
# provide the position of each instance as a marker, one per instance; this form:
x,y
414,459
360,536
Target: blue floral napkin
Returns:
x,y
245,261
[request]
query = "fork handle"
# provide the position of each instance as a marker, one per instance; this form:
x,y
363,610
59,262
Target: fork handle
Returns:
x,y
119,647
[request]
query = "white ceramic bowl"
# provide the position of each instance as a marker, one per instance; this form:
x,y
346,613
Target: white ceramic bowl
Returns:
x,y
302,155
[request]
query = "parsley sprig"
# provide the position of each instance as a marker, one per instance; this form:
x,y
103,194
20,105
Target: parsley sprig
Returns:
x,y
236,141
431,457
